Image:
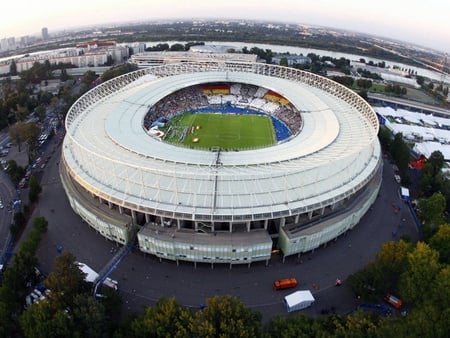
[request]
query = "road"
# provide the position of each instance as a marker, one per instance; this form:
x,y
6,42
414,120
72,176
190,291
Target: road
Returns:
x,y
144,279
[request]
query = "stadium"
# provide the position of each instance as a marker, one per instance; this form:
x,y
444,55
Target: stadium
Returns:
x,y
206,200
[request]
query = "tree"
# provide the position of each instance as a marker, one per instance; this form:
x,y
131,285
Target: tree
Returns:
x,y
66,280
14,171
43,320
166,319
358,324
26,132
392,260
35,189
441,243
401,154
432,213
63,76
13,68
89,317
177,47
225,316
40,112
300,326
441,290
40,224
422,269
437,160
385,137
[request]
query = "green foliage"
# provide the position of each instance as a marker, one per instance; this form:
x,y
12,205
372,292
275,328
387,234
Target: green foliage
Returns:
x,y
284,62
381,276
19,219
440,242
118,70
26,132
158,48
43,320
37,73
64,76
401,154
88,317
367,74
437,160
177,47
66,280
166,319
14,283
40,224
299,326
34,190
422,269
385,137
14,171
344,80
432,213
358,324
226,316
13,68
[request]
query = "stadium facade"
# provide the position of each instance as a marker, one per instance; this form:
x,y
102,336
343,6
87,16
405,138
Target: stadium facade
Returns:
x,y
217,206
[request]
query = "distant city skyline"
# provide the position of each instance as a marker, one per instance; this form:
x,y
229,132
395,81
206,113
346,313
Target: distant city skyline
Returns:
x,y
424,23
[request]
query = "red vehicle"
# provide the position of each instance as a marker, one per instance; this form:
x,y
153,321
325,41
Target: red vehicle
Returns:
x,y
394,301
285,283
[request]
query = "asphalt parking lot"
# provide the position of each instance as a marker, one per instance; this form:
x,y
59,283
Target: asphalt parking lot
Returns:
x,y
144,279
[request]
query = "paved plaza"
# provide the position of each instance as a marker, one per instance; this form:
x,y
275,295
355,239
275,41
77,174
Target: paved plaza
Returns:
x,y
144,279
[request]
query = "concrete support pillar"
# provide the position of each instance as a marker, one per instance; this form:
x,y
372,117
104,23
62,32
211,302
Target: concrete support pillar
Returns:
x,y
133,215
110,204
266,223
231,227
179,224
310,214
282,222
120,209
322,211
196,226
162,221
100,199
297,218
147,218
248,226
213,228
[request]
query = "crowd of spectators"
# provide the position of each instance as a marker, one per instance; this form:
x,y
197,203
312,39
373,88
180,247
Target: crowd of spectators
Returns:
x,y
244,96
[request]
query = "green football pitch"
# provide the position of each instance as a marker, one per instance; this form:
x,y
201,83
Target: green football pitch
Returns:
x,y
224,131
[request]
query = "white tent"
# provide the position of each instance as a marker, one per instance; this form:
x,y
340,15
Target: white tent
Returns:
x,y
298,300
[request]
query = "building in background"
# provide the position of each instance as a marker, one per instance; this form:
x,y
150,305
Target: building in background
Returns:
x,y
44,33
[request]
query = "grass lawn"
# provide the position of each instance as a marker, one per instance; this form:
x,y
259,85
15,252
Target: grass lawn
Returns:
x,y
224,131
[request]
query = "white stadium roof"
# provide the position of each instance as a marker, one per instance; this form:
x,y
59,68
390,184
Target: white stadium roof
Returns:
x,y
110,154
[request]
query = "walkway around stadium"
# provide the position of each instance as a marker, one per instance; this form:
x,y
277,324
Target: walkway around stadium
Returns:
x,y
144,279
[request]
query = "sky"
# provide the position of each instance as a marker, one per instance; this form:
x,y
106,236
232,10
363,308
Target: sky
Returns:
x,y
426,23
